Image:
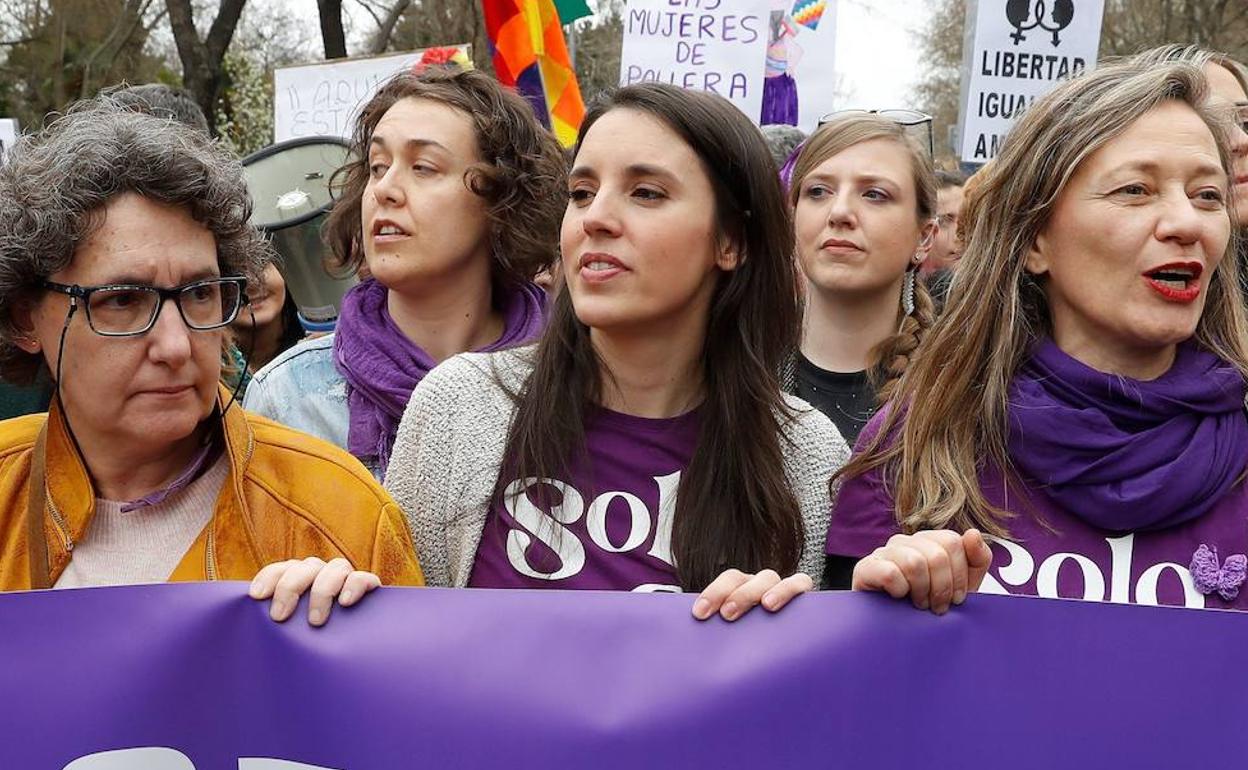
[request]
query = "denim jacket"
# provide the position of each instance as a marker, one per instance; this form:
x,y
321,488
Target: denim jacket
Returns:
x,y
301,388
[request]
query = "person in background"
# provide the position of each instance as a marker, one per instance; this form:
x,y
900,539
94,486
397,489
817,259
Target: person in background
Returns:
x,y
782,140
451,201
162,101
937,270
125,250
17,400
267,328
1075,427
864,202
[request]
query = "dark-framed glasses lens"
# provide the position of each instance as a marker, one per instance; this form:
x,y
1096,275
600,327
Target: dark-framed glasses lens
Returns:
x,y
122,309
210,304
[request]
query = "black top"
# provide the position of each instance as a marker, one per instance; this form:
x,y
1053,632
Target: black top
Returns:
x,y
847,398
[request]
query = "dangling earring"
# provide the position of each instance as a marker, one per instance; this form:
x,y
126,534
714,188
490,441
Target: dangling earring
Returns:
x,y
907,293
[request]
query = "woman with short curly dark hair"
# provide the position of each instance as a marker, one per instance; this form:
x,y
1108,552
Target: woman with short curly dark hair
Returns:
x,y
125,251
451,200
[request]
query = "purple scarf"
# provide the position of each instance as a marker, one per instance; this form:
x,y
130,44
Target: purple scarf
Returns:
x,y
382,366
1124,454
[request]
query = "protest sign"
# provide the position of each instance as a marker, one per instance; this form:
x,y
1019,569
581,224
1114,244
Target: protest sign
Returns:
x,y
322,99
1017,52
196,677
8,135
703,45
800,67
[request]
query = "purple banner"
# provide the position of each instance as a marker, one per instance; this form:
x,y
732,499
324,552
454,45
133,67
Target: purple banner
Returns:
x,y
417,678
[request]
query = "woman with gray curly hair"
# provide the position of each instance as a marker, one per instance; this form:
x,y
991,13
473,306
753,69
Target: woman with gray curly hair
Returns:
x,y
125,250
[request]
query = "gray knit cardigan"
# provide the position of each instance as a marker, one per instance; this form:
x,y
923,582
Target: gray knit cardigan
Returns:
x,y
450,444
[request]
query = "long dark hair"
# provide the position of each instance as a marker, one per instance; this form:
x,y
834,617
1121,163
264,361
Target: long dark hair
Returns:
x,y
735,507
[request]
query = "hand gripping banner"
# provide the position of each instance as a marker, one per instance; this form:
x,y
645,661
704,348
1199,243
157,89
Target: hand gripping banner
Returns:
x,y
195,677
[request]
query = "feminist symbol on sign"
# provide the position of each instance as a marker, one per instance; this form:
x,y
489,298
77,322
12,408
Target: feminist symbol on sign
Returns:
x,y
1020,12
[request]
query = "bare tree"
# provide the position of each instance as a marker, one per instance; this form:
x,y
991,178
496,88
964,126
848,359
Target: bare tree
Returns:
x,y
441,22
386,14
937,91
202,59
128,26
333,36
1131,26
599,43
57,51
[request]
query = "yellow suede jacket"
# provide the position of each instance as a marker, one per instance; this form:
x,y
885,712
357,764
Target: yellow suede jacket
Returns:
x,y
288,495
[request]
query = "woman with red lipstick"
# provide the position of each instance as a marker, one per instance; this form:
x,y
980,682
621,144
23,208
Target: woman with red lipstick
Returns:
x,y
864,205
450,201
644,443
1075,426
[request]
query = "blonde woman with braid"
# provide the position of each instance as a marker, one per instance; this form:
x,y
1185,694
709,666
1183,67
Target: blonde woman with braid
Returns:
x,y
1081,401
864,204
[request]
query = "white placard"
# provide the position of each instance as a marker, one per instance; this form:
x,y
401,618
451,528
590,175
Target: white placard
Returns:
x,y
1020,51
322,99
702,45
8,135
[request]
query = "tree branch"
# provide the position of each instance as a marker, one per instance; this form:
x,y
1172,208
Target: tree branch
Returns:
x,y
386,27
222,30
333,38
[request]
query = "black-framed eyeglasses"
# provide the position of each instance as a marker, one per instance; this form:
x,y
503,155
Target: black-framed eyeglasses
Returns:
x,y
906,118
129,310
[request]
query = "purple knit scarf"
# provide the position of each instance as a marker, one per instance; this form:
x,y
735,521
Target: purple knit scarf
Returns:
x,y
1126,454
382,366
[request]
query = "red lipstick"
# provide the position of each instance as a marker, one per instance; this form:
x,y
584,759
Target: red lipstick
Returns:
x,y
1176,281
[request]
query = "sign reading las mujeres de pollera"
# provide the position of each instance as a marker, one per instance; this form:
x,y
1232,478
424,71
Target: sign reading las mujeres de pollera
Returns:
x,y
1021,50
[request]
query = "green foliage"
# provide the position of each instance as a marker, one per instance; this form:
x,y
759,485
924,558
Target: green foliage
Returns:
x,y
71,49
245,110
598,46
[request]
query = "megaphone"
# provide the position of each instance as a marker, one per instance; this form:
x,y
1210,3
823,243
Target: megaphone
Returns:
x,y
289,186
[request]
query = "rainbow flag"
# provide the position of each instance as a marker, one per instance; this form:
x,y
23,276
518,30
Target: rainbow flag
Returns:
x,y
809,12
531,55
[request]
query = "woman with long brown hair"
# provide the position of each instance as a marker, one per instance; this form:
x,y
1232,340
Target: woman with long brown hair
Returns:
x,y
1081,402
644,443
864,204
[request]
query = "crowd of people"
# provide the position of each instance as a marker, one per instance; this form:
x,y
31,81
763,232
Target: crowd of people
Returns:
x,y
1041,370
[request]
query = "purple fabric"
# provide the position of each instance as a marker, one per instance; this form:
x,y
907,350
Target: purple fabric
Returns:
x,y
199,463
1055,552
1123,454
1225,577
615,681
786,171
382,366
609,526
779,100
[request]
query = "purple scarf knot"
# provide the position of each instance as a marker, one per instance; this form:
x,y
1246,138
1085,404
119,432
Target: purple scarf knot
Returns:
x,y
1124,454
382,366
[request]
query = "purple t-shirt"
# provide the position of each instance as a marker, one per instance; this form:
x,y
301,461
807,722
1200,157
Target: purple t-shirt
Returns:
x,y
607,526
1069,558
